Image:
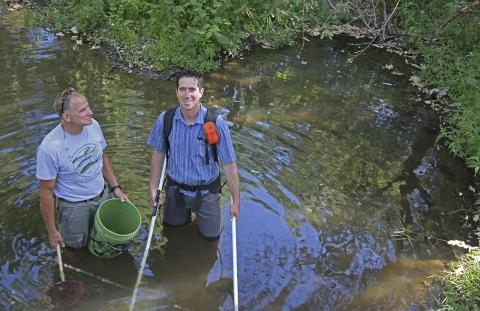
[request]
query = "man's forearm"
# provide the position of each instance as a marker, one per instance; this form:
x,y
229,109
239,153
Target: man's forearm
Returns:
x,y
107,171
231,174
48,211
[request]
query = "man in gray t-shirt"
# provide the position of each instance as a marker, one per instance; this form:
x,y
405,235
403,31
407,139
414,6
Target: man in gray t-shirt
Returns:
x,y
72,166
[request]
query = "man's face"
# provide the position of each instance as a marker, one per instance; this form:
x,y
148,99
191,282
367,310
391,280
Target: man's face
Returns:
x,y
189,94
79,110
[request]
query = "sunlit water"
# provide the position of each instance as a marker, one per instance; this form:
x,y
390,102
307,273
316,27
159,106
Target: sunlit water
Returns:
x,y
346,199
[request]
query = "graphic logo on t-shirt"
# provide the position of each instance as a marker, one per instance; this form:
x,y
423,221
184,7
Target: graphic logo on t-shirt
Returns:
x,y
86,160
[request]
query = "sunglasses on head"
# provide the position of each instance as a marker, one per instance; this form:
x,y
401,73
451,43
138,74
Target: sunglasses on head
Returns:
x,y
66,95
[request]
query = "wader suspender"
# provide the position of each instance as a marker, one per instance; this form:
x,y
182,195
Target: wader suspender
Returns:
x,y
216,185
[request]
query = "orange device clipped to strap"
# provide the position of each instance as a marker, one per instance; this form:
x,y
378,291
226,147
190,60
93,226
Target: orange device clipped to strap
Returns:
x,y
211,133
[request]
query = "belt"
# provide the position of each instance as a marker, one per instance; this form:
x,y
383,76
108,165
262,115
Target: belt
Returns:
x,y
95,198
214,187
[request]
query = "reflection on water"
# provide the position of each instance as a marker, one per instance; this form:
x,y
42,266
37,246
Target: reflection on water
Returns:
x,y
346,199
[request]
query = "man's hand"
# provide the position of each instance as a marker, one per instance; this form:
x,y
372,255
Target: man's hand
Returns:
x,y
55,238
118,193
235,210
153,196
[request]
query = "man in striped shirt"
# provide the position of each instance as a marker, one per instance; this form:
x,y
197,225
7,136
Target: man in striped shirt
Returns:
x,y
193,182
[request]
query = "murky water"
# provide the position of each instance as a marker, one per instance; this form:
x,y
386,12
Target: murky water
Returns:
x,y
346,199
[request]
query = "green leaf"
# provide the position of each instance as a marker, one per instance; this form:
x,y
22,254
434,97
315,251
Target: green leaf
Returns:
x,y
457,30
191,52
222,39
190,40
177,9
473,82
201,58
326,33
209,52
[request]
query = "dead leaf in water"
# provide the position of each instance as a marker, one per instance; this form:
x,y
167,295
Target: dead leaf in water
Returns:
x,y
389,66
416,81
476,217
397,73
427,283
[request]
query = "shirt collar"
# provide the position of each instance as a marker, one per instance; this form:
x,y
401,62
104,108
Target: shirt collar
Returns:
x,y
199,119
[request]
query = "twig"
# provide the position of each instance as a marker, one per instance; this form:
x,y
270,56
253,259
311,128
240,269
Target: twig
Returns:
x,y
376,36
355,44
331,5
465,8
361,14
386,22
384,29
350,60
303,30
118,62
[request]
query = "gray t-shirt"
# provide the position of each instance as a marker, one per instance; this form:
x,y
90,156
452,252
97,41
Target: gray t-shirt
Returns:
x,y
75,161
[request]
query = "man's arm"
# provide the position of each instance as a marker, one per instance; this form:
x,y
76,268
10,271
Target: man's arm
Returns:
x,y
231,173
47,207
156,167
109,176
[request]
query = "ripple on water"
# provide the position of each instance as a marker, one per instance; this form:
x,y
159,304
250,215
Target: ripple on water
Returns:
x,y
307,267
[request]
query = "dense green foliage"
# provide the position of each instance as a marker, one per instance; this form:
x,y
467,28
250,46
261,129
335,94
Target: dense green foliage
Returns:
x,y
452,59
447,35
184,33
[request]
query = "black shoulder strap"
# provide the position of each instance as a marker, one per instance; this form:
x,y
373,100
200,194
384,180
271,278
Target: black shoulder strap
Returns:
x,y
167,126
211,116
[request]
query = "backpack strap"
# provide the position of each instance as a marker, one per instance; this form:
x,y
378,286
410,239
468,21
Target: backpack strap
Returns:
x,y
211,116
167,127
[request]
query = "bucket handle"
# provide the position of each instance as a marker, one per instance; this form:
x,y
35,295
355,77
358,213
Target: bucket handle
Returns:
x,y
115,248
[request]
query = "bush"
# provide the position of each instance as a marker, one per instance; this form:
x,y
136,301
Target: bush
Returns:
x,y
184,32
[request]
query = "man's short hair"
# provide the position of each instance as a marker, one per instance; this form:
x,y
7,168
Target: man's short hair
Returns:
x,y
187,73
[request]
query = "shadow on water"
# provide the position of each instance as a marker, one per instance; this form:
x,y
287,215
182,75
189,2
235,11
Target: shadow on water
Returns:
x,y
347,202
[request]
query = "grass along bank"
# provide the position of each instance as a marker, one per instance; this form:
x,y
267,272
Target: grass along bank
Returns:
x,y
450,48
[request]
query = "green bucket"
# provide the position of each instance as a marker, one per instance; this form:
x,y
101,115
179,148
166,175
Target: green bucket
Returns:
x,y
116,224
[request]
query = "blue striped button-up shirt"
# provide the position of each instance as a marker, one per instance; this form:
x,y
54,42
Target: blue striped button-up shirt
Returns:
x,y
186,160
